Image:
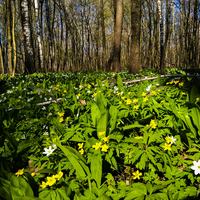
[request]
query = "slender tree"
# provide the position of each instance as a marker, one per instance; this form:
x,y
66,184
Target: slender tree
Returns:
x,y
10,64
38,35
134,61
14,41
1,57
28,43
117,36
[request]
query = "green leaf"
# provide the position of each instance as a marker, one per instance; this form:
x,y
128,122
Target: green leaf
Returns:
x,y
102,123
143,161
153,138
149,187
194,93
135,125
113,111
120,83
196,118
137,191
96,114
96,167
11,139
46,171
20,188
74,159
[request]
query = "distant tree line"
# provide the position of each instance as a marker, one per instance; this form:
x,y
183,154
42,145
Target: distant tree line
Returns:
x,y
77,35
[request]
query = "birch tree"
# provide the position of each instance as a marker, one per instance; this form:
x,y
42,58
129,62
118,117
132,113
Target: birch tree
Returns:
x,y
38,35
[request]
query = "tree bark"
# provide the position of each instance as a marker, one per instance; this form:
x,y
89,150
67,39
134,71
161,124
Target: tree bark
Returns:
x,y
1,57
50,36
103,35
10,64
41,61
134,62
28,44
117,36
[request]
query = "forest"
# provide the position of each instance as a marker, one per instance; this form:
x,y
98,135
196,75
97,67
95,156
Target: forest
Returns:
x,y
99,100
92,35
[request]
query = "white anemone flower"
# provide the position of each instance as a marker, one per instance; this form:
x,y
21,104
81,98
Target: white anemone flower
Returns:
x,y
48,151
148,88
172,140
196,167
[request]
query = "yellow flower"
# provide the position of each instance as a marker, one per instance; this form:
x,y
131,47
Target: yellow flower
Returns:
x,y
99,91
137,174
153,93
197,99
118,94
94,94
89,86
128,101
183,93
33,174
138,137
96,146
68,118
80,145
81,151
122,98
61,114
120,102
145,99
135,100
168,139
176,82
43,185
167,147
65,91
144,94
161,101
59,175
106,139
129,92
101,133
78,95
47,138
136,107
180,84
50,180
104,147
61,119
20,172
118,123
153,124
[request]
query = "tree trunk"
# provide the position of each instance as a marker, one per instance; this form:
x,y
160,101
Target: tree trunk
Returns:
x,y
41,61
103,35
134,62
117,36
28,44
50,36
1,57
14,41
10,64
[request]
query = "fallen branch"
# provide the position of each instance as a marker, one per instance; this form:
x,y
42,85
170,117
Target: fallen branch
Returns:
x,y
48,102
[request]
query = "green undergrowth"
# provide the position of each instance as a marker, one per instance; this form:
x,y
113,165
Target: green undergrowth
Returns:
x,y
92,136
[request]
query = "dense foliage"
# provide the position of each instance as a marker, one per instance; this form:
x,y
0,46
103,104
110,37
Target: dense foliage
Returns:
x,y
92,136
